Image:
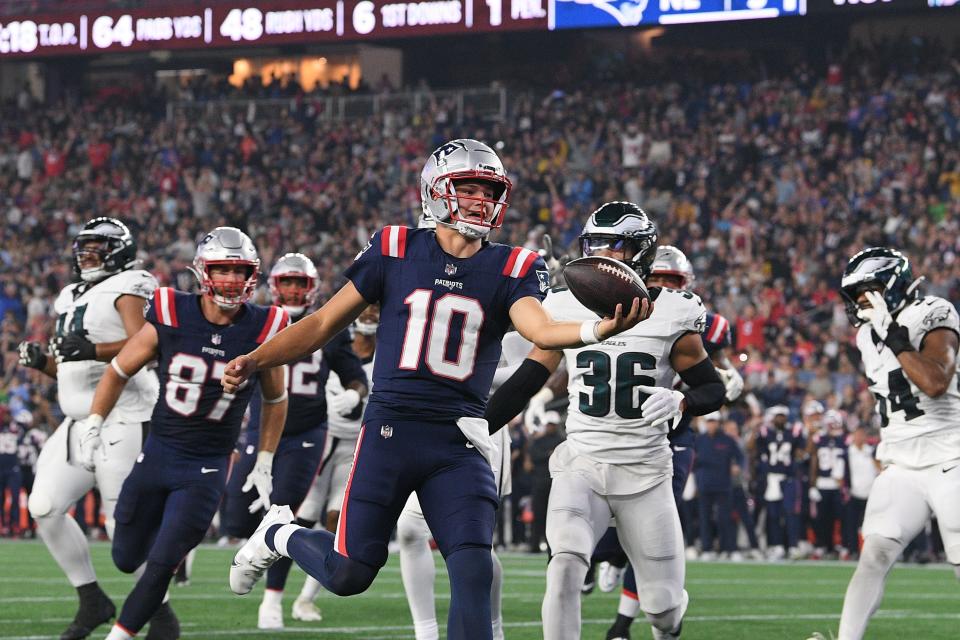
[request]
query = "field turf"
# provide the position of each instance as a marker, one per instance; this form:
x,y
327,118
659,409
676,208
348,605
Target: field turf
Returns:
x,y
728,601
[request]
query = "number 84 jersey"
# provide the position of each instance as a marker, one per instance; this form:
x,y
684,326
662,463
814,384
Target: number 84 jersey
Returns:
x,y
917,430
193,414
604,420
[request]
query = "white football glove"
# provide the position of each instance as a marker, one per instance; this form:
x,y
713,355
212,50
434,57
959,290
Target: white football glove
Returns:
x,y
343,403
878,315
261,477
732,382
662,405
814,494
88,439
533,417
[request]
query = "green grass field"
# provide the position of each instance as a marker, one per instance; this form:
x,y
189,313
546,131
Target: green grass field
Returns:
x,y
728,601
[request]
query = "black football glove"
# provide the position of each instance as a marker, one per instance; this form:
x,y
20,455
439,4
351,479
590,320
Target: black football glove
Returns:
x,y
72,348
32,355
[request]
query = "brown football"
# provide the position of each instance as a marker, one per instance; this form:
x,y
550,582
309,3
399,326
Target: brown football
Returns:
x,y
600,284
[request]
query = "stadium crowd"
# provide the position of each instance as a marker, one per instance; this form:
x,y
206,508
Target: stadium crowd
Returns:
x,y
767,181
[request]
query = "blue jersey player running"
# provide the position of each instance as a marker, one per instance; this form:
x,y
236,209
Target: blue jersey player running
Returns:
x,y
447,298
169,499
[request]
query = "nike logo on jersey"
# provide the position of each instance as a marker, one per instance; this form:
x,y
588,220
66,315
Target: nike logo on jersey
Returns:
x,y
949,469
470,445
113,442
308,445
205,470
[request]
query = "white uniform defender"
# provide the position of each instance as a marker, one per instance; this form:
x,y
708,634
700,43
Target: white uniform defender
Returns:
x,y
613,463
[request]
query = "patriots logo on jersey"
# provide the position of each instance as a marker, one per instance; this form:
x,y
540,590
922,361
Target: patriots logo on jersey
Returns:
x,y
544,278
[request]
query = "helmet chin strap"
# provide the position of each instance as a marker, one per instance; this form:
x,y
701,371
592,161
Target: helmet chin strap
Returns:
x,y
472,231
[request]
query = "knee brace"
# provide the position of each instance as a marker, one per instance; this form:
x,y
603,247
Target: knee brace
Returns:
x,y
351,577
39,504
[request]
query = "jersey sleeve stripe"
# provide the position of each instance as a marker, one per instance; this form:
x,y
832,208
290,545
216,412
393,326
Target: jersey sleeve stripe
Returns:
x,y
393,241
717,329
511,261
528,260
519,262
164,301
272,325
172,302
340,538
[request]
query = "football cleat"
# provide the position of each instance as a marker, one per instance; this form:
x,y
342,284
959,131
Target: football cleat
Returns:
x,y
270,615
255,557
306,611
675,634
609,577
95,609
164,624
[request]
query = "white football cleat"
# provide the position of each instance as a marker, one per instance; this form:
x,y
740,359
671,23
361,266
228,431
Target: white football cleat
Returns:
x,y
306,610
270,616
254,557
675,634
609,577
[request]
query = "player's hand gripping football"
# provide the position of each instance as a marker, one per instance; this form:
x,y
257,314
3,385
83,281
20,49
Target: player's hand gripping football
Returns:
x,y
639,311
261,478
88,439
237,372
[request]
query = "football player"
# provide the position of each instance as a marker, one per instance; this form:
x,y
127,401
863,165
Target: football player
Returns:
x,y
326,494
96,315
294,284
616,461
775,450
671,269
446,300
169,499
908,342
828,476
11,478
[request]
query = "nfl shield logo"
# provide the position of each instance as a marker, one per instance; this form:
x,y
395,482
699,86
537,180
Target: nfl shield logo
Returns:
x,y
450,269
386,431
216,338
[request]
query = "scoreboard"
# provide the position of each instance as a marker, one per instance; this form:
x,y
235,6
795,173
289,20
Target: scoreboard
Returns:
x,y
219,24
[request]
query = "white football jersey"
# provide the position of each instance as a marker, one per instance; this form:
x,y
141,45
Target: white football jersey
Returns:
x,y
604,420
81,308
918,430
339,426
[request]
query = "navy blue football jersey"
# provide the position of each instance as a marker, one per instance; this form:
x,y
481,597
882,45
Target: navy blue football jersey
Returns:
x,y
11,437
193,414
442,320
778,447
831,452
306,384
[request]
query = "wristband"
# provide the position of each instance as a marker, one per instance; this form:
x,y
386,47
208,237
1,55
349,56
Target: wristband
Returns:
x,y
118,370
588,332
277,400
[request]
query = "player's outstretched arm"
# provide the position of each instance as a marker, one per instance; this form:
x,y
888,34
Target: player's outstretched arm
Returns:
x,y
535,324
299,339
273,388
514,394
932,368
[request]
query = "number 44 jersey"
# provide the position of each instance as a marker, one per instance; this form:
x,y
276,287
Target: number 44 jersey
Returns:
x,y
917,430
193,415
604,420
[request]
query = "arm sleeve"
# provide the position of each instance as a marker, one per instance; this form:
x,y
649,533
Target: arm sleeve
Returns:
x,y
515,393
366,272
344,361
706,390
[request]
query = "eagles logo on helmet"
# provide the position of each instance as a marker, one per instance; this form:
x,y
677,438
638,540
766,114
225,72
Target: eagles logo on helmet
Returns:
x,y
622,226
878,268
294,297
103,248
226,246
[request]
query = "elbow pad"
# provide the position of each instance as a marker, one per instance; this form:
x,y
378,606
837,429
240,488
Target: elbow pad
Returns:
x,y
514,394
706,392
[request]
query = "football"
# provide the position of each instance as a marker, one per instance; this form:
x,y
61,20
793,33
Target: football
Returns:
x,y
600,284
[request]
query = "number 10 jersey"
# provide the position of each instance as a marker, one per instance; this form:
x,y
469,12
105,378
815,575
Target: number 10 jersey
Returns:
x,y
604,420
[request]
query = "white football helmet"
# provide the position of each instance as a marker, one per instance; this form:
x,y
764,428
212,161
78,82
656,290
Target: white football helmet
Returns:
x,y
457,160
670,261
226,246
295,265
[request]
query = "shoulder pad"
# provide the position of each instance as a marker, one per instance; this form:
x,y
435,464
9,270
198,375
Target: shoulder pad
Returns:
x,y
519,262
164,306
393,241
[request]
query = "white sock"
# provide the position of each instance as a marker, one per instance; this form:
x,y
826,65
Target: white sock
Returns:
x,y
629,606
865,590
118,633
310,589
68,546
426,629
496,592
191,555
418,572
273,597
282,536
561,602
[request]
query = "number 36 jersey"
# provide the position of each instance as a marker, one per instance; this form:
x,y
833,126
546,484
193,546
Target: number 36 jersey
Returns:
x,y
917,430
604,420
90,311
193,414
441,320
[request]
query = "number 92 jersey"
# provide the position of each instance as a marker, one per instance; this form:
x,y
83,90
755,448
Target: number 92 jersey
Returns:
x,y
604,420
441,320
917,430
193,414
90,311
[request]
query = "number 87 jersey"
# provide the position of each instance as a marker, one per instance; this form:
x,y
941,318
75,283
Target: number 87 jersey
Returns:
x,y
442,320
604,420
193,414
